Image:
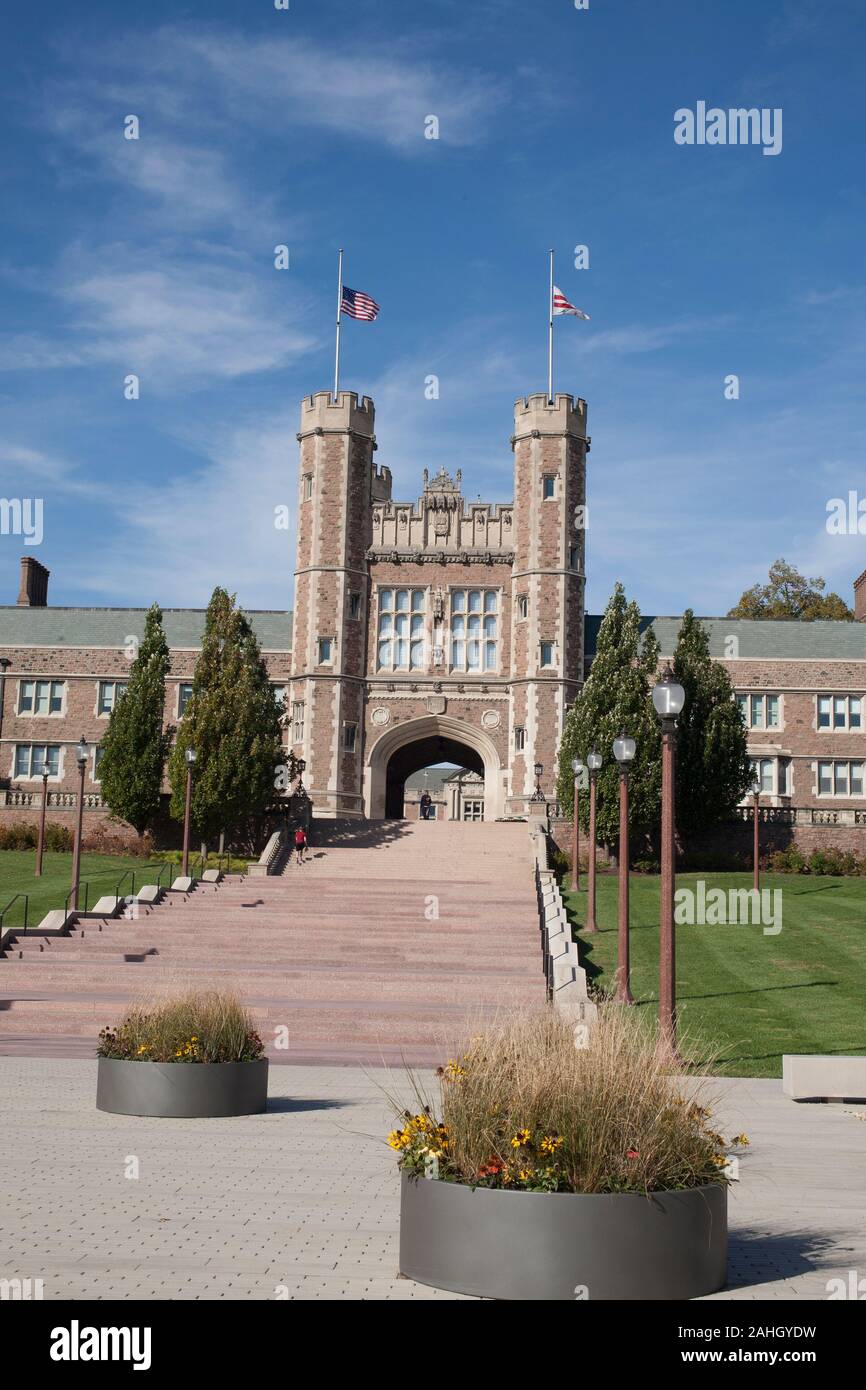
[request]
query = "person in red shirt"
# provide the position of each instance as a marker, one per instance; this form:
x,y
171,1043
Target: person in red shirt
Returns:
x,y
301,843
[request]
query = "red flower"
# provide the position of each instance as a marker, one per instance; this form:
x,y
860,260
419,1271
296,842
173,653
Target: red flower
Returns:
x,y
632,1153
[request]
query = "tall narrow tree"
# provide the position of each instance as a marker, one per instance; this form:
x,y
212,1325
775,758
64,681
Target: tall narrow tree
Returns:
x,y
713,770
616,696
136,745
233,721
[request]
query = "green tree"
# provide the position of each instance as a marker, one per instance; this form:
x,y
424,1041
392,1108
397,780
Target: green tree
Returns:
x,y
616,696
788,594
135,745
713,769
233,722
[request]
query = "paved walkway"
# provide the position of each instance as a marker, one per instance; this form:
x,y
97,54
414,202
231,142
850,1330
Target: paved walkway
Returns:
x,y
389,943
303,1202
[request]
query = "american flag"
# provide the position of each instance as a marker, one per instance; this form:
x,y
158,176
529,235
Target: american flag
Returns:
x,y
358,305
562,306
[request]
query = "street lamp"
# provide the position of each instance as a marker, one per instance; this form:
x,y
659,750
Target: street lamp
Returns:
x,y
190,756
538,794
43,773
756,793
578,769
81,759
624,749
668,699
593,762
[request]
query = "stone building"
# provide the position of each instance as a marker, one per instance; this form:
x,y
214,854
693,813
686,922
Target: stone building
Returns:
x,y
432,631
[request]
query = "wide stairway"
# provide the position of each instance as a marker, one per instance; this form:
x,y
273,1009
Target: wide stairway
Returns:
x,y
388,945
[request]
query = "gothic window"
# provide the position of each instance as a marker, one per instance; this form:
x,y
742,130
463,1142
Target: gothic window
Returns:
x,y
547,653
474,630
548,486
400,633
519,739
297,721
523,605
354,605
350,734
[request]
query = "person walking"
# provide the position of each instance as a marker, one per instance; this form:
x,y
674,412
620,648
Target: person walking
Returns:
x,y
426,805
301,844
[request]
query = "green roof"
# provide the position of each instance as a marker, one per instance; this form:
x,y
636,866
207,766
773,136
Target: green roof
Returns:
x,y
110,627
759,641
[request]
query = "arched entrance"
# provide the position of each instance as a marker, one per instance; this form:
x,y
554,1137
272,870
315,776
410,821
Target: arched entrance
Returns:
x,y
406,748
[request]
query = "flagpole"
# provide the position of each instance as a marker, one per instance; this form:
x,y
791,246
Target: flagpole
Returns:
x,y
339,307
550,337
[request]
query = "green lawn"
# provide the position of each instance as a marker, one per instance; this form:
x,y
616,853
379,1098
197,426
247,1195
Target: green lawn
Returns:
x,y
751,996
100,871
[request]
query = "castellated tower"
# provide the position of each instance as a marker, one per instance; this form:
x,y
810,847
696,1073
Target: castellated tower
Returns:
x,y
550,446
326,699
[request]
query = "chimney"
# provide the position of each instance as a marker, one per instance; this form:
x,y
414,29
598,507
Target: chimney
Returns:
x,y
33,592
860,598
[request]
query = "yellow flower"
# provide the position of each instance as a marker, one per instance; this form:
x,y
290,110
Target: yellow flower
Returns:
x,y
741,1139
550,1143
397,1139
520,1139
719,1160
525,1174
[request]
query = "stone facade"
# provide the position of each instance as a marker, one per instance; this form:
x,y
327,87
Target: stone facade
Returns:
x,y
435,625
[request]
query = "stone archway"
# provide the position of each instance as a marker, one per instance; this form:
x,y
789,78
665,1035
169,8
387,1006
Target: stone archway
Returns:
x,y
433,738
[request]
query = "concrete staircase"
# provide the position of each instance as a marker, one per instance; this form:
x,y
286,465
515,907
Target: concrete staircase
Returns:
x,y
387,945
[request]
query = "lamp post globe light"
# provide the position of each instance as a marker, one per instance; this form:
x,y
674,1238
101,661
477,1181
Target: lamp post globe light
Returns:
x,y
669,699
81,751
190,756
593,762
624,749
579,771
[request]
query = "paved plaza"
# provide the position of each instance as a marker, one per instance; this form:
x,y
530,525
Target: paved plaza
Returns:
x,y
303,1202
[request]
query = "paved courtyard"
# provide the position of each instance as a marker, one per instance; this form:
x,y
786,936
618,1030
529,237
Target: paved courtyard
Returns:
x,y
303,1202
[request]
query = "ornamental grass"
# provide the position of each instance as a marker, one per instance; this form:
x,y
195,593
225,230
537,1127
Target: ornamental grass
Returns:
x,y
196,1026
522,1107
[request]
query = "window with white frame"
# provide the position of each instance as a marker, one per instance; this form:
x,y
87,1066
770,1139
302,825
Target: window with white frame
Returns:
x,y
34,759
297,721
548,486
840,778
523,605
519,738
354,606
184,695
97,759
400,630
547,654
764,772
279,695
574,557
760,711
325,648
308,486
840,712
41,697
350,737
474,629
109,691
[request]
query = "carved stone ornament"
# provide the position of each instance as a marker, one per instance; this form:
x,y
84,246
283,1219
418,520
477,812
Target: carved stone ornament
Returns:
x,y
380,717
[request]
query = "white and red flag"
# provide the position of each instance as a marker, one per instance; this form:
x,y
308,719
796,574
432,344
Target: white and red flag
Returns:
x,y
562,306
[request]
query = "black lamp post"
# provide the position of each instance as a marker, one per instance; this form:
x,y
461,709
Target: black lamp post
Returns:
x,y
624,749
81,759
538,794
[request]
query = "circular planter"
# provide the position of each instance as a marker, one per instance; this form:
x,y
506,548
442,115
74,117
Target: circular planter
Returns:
x,y
182,1090
563,1245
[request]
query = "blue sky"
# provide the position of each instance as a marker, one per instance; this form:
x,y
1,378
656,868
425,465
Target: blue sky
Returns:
x,y
306,127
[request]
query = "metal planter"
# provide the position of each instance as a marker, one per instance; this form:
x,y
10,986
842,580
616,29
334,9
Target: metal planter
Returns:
x,y
562,1245
182,1090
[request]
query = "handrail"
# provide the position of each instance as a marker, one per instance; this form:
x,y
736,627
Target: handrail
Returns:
x,y
3,911
67,909
130,874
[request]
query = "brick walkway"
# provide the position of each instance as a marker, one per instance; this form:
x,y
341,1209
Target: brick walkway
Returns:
x,y
305,1198
386,945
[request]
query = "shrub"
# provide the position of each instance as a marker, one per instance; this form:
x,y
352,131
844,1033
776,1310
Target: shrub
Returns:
x,y
18,836
193,1027
523,1108
645,866
788,861
58,837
